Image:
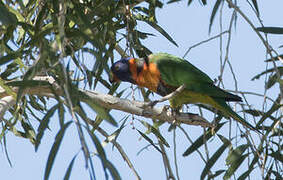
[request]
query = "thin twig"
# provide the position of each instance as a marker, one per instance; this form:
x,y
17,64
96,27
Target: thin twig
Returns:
x,y
268,47
166,162
120,149
205,145
207,40
175,154
252,93
61,47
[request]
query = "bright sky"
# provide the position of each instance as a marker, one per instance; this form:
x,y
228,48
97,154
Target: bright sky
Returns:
x,y
187,26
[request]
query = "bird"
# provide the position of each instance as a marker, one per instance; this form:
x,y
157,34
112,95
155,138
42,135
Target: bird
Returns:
x,y
163,73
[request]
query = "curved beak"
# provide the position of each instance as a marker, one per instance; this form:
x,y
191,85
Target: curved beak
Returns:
x,y
113,78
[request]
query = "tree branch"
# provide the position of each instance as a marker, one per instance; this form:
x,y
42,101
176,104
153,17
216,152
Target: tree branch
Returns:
x,y
141,109
5,104
111,102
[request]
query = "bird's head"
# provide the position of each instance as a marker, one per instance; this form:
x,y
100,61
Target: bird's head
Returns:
x,y
120,71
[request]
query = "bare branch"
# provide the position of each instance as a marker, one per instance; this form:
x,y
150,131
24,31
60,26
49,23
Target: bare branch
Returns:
x,y
111,102
5,104
195,45
141,109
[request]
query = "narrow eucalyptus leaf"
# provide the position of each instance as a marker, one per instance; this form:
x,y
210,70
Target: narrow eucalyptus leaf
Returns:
x,y
199,142
214,11
100,150
54,150
44,125
113,171
70,167
149,140
211,161
271,30
255,6
234,166
7,17
156,133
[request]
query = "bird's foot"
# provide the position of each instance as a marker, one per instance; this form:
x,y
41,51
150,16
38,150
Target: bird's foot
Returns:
x,y
166,108
175,112
152,103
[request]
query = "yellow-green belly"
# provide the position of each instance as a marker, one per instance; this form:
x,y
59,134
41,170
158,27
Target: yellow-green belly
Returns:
x,y
189,97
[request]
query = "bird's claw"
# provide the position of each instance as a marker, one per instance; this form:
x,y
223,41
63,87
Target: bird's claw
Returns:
x,y
152,103
165,108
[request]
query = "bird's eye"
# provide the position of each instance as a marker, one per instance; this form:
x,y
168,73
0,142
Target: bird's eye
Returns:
x,y
117,67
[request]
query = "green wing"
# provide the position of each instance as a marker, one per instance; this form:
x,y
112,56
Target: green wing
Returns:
x,y
176,72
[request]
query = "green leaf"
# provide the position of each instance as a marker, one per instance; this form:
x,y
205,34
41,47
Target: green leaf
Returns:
x,y
115,134
276,105
29,131
236,153
277,155
280,69
54,150
34,103
100,150
44,125
113,171
156,133
189,2
6,17
101,111
234,166
162,31
172,1
6,150
215,156
11,68
268,174
70,167
61,113
214,11
150,141
10,56
235,159
271,30
204,2
245,174
276,174
254,112
7,89
255,6
156,27
28,83
200,141
217,173
271,81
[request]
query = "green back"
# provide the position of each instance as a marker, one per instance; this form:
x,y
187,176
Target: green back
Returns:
x,y
176,72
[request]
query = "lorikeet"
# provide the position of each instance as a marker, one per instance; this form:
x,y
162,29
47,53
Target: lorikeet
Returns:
x,y
163,73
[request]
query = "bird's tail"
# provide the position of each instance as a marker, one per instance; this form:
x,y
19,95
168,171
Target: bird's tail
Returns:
x,y
227,110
